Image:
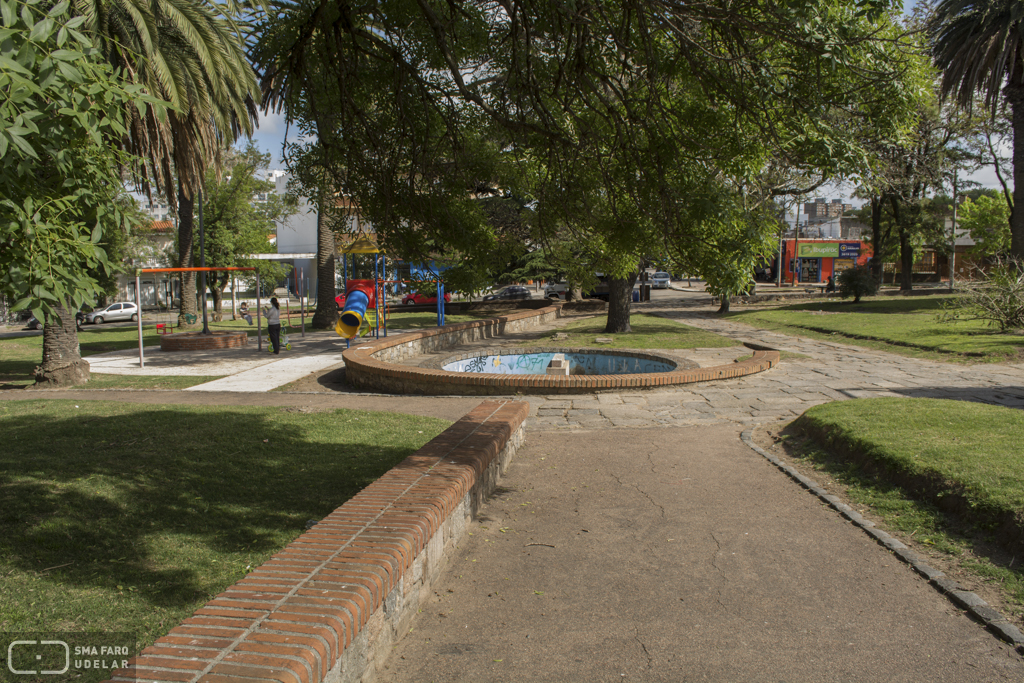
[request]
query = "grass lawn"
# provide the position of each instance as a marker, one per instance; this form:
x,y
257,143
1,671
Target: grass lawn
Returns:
x,y
20,355
120,517
946,474
905,325
649,332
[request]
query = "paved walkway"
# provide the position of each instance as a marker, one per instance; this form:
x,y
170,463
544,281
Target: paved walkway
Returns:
x,y
679,554
636,538
821,372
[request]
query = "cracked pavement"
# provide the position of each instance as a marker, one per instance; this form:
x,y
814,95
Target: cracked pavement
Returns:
x,y
684,540
636,538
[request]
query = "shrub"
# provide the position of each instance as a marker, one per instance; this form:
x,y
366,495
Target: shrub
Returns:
x,y
857,282
997,297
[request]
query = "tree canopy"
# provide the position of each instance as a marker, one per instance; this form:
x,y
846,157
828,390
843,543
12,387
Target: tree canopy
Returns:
x,y
637,126
236,225
59,101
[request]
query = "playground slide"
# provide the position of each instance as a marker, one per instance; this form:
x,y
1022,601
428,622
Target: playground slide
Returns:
x,y
360,295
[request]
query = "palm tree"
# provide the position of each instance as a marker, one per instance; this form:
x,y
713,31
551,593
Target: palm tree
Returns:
x,y
190,53
979,46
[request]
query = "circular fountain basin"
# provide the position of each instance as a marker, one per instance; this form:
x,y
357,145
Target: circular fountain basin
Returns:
x,y
535,362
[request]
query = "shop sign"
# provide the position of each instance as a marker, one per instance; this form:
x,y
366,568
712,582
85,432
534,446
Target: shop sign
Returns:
x,y
849,250
819,249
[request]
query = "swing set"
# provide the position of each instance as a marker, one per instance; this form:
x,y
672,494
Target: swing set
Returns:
x,y
139,272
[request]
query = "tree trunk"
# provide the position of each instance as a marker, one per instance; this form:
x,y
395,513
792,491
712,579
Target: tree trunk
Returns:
x,y
62,364
217,292
906,262
620,296
876,238
724,306
906,248
326,315
1015,96
187,302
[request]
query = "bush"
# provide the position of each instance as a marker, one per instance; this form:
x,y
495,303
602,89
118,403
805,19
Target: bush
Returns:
x,y
997,297
857,282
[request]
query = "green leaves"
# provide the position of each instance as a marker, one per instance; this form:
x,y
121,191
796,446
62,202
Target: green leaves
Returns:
x,y
58,100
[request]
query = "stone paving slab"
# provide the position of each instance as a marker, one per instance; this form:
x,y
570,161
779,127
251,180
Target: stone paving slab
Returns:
x,y
282,371
797,384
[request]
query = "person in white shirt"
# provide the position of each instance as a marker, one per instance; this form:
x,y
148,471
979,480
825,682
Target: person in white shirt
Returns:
x,y
273,314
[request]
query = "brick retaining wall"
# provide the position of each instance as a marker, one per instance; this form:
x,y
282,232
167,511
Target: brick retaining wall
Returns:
x,y
330,606
372,364
197,341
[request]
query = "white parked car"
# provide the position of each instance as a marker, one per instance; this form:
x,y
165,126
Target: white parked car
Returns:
x,y
119,311
660,280
554,290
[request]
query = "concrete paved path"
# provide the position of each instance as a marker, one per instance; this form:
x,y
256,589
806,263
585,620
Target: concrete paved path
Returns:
x,y
282,371
819,372
247,369
679,554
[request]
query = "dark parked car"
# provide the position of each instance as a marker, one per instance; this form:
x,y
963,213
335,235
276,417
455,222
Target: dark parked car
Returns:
x,y
34,324
510,293
119,311
417,298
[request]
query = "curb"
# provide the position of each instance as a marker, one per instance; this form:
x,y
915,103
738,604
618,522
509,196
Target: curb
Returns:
x,y
993,620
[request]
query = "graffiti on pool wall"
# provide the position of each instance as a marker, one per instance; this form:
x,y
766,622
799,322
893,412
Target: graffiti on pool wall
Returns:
x,y
579,364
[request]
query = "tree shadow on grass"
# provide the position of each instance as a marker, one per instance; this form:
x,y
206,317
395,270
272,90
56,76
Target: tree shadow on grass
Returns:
x,y
156,499
880,305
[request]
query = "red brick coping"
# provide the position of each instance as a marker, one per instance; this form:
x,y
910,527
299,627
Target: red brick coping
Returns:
x,y
371,364
197,341
332,604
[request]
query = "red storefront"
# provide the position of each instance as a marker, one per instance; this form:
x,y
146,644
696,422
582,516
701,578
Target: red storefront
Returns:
x,y
817,259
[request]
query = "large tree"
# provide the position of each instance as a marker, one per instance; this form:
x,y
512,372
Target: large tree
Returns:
x,y
59,101
979,46
235,224
190,53
622,121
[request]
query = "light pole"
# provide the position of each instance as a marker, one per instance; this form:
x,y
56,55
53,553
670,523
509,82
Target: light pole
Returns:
x,y
952,253
202,264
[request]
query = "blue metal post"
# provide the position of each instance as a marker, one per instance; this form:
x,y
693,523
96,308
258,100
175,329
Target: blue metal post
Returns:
x,y
440,303
376,297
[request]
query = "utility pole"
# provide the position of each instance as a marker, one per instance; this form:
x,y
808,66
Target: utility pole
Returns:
x,y
782,237
202,264
952,253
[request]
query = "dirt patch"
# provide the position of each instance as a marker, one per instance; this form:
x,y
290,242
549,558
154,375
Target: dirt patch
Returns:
x,y
328,381
780,440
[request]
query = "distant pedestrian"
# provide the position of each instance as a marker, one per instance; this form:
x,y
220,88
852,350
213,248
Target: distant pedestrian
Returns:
x,y
273,314
243,311
830,286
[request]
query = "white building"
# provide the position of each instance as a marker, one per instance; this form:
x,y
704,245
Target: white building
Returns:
x,y
157,289
297,235
156,209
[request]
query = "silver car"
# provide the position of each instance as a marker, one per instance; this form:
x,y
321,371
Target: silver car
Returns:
x,y
660,280
119,311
